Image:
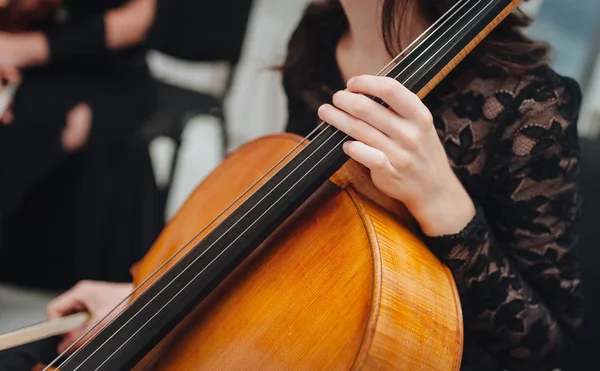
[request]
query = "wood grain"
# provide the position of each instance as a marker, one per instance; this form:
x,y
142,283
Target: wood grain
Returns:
x,y
342,284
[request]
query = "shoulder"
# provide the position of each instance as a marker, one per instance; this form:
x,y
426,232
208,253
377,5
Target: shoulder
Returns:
x,y
533,93
535,118
533,113
548,111
540,112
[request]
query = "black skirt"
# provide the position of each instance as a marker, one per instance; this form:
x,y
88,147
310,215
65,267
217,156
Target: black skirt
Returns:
x,y
85,215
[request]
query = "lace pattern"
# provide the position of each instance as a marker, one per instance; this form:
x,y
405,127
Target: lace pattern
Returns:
x,y
513,143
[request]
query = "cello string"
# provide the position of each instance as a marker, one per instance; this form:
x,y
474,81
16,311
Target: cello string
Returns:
x,y
179,251
402,55
193,279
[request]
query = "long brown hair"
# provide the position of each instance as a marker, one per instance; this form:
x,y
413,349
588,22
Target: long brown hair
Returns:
x,y
506,49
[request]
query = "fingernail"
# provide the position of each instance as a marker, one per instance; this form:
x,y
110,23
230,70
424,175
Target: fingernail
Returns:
x,y
323,109
350,81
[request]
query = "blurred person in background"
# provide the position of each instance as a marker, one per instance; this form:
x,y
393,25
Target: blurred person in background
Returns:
x,y
71,176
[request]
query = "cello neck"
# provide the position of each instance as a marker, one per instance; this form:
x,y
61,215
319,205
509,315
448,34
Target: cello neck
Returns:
x,y
125,341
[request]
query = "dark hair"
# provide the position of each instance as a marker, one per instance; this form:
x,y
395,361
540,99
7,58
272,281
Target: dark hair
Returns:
x,y
506,49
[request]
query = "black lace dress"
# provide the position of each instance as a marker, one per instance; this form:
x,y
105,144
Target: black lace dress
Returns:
x,y
513,143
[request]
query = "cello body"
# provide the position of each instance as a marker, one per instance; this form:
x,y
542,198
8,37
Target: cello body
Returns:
x,y
344,284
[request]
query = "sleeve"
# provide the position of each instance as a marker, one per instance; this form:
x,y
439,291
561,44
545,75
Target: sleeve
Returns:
x,y
86,37
515,263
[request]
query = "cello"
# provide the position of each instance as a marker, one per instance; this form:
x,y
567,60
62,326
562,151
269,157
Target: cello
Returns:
x,y
299,263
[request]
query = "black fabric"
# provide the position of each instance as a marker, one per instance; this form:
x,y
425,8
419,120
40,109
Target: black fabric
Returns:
x,y
30,150
83,38
590,255
512,141
201,30
89,214
78,42
24,357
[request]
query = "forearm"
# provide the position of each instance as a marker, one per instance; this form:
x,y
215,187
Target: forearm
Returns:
x,y
128,25
117,29
447,212
500,305
27,49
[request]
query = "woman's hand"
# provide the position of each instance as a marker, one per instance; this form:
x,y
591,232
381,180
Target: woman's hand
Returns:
x,y
7,75
96,298
403,151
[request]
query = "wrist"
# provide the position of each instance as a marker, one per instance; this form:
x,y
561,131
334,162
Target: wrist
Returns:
x,y
446,213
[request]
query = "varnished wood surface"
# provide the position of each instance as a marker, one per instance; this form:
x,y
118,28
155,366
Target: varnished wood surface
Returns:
x,y
341,285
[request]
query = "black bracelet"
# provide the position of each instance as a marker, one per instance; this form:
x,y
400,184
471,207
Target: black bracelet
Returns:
x,y
471,237
84,38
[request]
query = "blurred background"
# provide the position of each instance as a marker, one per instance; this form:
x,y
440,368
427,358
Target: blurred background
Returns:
x,y
217,87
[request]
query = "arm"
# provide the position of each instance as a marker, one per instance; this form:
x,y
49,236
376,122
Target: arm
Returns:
x,y
117,29
129,25
524,327
517,273
517,270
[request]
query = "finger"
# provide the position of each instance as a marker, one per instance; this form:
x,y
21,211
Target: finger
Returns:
x,y
397,96
370,157
77,338
67,303
69,339
354,127
373,113
10,74
8,118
